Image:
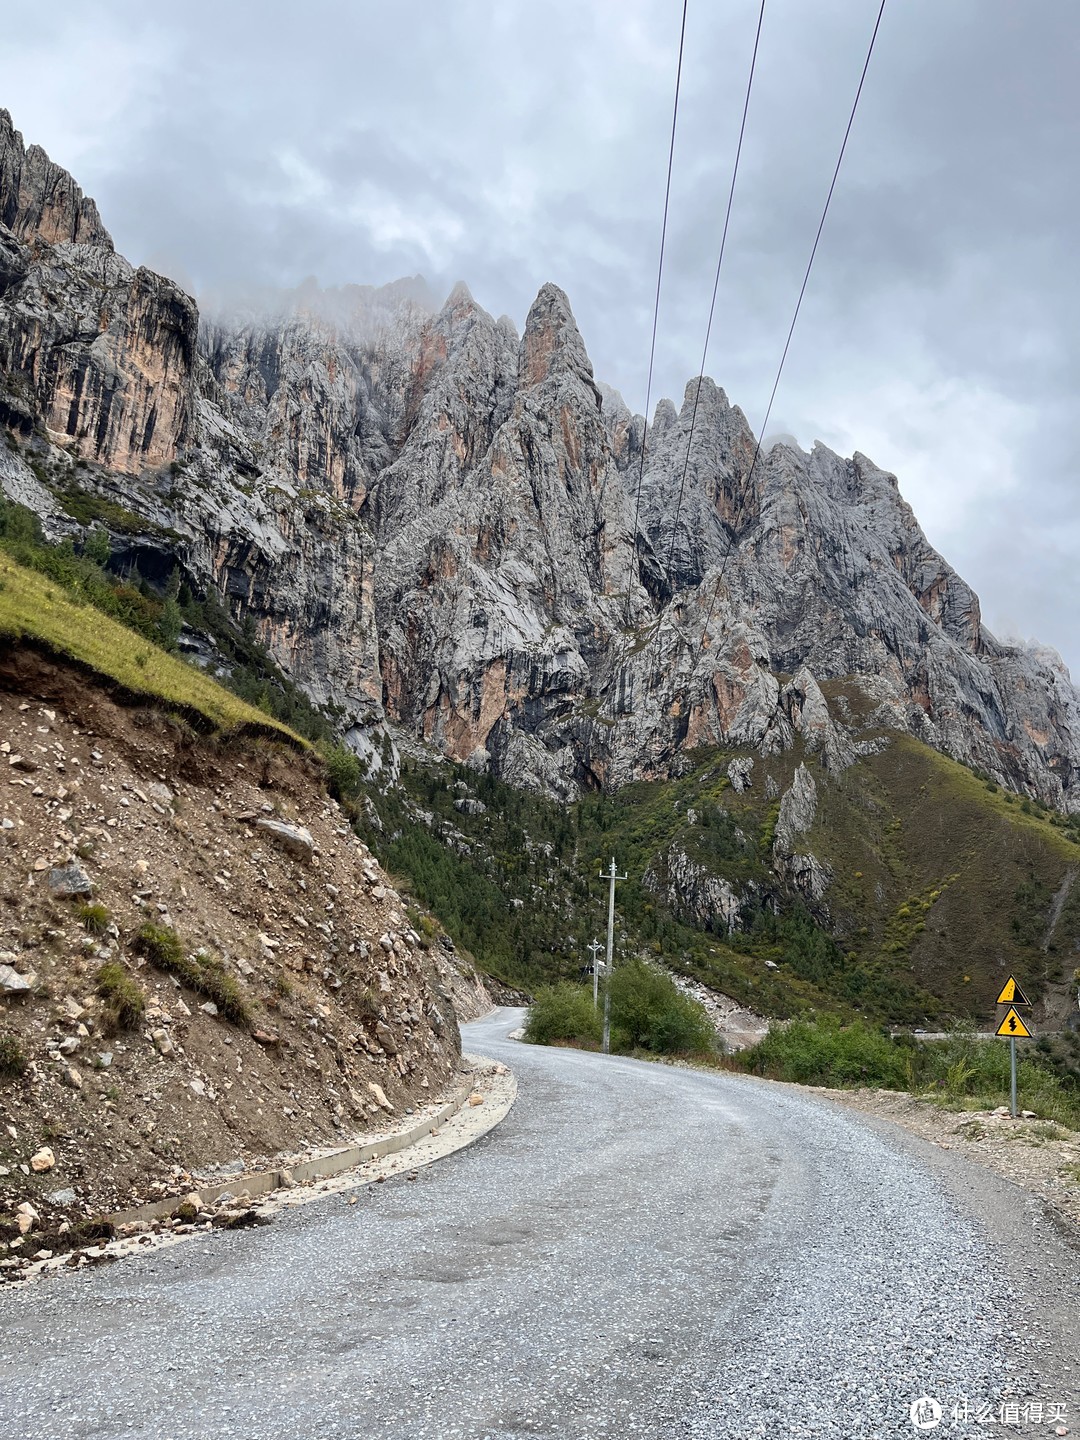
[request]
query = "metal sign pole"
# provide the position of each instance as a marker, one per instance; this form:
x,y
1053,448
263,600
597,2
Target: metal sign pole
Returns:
x,y
1011,1027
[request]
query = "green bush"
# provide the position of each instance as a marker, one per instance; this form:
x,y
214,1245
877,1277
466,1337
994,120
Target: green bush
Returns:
x,y
650,1012
825,1052
201,972
95,918
344,773
97,546
12,1059
964,1069
125,1003
563,1012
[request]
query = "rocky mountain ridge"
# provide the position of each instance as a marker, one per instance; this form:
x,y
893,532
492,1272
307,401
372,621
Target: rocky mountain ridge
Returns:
x,y
434,523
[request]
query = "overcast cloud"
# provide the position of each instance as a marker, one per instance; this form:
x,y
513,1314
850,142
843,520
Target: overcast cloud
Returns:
x,y
508,144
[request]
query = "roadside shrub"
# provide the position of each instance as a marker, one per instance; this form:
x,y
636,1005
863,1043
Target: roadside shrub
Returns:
x,y
12,1059
825,1052
564,1012
125,1002
95,918
963,1070
967,1068
650,1012
201,972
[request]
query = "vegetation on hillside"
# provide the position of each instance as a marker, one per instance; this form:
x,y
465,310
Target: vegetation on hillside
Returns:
x,y
963,1070
84,575
648,1013
939,889
36,607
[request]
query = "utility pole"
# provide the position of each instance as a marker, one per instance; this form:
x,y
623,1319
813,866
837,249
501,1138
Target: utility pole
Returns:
x,y
595,948
611,876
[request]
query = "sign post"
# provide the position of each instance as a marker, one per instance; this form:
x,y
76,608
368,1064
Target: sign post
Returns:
x,y
1011,1027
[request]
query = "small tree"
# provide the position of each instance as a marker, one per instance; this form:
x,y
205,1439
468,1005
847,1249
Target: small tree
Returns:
x,y
96,546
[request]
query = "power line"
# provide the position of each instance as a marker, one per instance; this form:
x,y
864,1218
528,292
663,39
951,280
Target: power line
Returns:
x,y
715,289
795,316
659,279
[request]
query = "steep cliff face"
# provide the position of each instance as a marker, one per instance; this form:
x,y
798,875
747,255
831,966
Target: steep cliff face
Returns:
x,y
39,200
105,351
429,518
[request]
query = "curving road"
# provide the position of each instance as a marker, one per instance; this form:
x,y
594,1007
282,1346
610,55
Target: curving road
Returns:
x,y
634,1251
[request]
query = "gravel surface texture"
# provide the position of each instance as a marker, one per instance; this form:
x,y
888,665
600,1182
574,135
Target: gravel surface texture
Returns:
x,y
635,1251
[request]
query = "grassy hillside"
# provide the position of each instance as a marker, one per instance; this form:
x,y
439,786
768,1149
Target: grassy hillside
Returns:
x,y
35,608
942,884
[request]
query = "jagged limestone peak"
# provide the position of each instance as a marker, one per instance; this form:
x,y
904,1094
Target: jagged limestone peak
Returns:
x,y
40,199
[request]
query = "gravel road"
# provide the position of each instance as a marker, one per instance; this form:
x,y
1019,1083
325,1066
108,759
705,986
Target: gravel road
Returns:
x,y
634,1251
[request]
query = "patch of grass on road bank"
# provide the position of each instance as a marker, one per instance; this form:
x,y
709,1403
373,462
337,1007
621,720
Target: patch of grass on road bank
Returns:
x,y
34,608
963,1071
648,1013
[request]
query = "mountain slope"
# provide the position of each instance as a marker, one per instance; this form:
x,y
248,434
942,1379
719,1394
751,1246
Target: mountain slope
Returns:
x,y
431,521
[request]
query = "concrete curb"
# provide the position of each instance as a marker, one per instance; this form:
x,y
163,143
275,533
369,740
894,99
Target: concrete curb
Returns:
x,y
264,1182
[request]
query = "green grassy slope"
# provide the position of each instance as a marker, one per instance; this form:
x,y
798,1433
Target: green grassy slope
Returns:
x,y
942,885
34,608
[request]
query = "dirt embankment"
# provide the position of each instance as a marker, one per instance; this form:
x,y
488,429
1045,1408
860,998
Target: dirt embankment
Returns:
x,y
298,1006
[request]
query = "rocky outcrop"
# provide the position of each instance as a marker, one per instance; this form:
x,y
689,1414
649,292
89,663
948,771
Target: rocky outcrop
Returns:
x,y
428,518
39,200
798,807
100,354
695,892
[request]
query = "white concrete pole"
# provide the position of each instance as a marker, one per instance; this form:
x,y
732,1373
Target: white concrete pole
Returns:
x,y
612,876
595,949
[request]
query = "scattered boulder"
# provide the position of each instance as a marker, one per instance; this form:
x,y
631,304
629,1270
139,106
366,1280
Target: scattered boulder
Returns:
x,y
470,807
380,1097
293,838
71,1077
66,1196
386,1038
739,773
43,1160
68,881
12,983
163,1041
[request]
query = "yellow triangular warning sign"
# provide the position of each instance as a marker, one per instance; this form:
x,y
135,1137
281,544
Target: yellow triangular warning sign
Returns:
x,y
1012,1025
1011,994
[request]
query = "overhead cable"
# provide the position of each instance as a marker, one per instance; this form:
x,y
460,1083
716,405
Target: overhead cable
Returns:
x,y
659,281
715,289
795,316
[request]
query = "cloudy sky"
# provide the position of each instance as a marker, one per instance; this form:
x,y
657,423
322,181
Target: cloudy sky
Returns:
x,y
509,144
